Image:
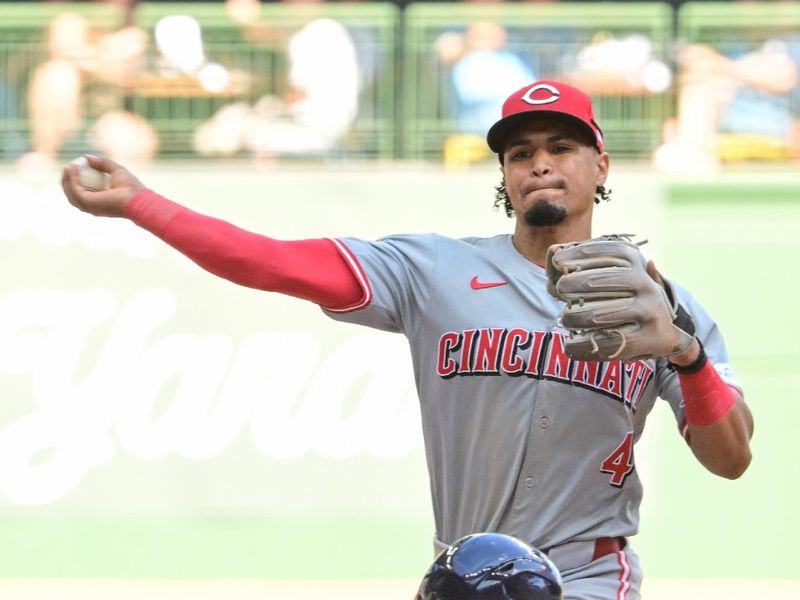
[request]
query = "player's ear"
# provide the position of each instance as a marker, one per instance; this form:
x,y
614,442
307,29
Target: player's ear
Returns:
x,y
603,161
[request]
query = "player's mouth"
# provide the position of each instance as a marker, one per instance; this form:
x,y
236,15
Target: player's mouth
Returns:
x,y
544,194
540,187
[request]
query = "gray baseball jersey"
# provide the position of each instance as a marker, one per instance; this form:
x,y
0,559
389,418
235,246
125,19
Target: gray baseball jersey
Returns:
x,y
519,438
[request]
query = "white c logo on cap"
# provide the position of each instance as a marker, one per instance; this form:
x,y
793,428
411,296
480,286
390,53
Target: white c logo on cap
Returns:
x,y
554,94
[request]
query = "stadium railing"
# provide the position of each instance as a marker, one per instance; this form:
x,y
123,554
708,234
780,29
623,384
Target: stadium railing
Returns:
x,y
586,43
264,66
176,105
753,123
407,105
23,46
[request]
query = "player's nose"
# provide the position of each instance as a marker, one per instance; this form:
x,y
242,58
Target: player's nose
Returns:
x,y
541,162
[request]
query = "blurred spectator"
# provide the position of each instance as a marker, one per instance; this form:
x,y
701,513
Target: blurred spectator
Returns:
x,y
13,141
735,104
78,54
312,118
619,65
483,71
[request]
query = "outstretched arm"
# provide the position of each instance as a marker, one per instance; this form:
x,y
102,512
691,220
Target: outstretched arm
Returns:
x,y
318,270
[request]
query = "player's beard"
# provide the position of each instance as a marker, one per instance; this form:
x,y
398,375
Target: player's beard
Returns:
x,y
544,214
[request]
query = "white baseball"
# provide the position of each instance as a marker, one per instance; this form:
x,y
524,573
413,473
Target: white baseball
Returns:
x,y
90,177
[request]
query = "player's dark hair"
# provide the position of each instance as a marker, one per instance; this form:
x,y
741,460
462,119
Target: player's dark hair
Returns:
x,y
501,198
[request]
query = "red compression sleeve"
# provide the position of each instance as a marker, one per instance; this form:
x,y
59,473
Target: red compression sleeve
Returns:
x,y
314,270
707,398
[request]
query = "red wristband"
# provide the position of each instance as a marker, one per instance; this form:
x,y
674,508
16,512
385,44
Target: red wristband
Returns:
x,y
706,397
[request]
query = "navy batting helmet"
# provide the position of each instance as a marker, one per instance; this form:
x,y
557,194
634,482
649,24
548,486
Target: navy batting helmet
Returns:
x,y
491,566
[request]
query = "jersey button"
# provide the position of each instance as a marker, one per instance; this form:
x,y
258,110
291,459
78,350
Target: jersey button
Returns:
x,y
544,422
529,481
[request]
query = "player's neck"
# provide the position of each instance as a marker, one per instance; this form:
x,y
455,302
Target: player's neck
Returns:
x,y
533,242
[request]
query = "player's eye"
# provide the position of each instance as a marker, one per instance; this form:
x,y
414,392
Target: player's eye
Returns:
x,y
520,154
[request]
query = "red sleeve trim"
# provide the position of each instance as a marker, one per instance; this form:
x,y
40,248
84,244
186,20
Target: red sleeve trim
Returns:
x,y
361,277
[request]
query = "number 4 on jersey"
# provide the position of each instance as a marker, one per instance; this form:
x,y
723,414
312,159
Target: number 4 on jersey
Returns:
x,y
620,462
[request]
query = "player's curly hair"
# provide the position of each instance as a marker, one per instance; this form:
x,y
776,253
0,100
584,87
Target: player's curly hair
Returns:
x,y
501,198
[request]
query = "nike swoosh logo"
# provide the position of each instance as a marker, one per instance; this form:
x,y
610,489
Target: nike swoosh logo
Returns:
x,y
480,285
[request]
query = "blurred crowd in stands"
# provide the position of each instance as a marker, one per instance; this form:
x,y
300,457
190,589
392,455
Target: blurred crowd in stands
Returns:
x,y
736,99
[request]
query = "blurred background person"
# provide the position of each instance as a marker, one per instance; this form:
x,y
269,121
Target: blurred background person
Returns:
x,y
324,80
481,71
736,102
620,64
322,103
81,55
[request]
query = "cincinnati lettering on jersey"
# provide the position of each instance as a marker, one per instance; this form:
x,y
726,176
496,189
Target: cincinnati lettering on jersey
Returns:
x,y
540,355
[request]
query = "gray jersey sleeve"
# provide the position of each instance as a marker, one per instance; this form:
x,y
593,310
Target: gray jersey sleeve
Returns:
x,y
709,334
398,271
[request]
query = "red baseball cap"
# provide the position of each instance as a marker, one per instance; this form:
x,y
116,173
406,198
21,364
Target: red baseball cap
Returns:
x,y
547,98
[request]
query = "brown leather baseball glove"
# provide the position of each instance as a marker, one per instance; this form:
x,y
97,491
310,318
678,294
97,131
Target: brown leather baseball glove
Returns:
x,y
615,308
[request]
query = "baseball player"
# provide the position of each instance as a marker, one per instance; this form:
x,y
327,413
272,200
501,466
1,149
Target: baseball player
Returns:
x,y
521,437
491,566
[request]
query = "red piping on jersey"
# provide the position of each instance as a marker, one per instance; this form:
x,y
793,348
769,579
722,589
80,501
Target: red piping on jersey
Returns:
x,y
358,273
624,575
315,269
